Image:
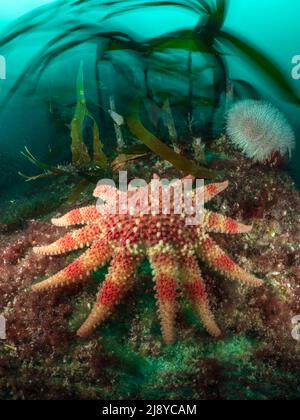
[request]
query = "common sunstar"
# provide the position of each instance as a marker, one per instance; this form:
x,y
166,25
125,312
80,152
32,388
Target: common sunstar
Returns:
x,y
172,246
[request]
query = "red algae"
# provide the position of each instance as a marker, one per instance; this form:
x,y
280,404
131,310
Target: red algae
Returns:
x,y
41,358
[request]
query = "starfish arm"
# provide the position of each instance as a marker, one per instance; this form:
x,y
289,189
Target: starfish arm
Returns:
x,y
195,290
94,258
166,273
221,262
78,217
118,280
212,190
71,241
217,223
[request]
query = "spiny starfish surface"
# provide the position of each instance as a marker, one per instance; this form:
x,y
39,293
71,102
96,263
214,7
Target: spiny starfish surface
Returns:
x,y
172,246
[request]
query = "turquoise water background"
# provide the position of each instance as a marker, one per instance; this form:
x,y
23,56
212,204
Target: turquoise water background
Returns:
x,y
271,25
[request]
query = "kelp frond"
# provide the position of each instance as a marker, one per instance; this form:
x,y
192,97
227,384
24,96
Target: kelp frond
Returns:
x,y
179,161
48,170
80,153
83,164
207,36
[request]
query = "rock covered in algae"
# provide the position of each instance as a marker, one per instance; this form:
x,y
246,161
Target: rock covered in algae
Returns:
x,y
256,358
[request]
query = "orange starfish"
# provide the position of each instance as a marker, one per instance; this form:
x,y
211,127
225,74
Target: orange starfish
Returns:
x,y
171,245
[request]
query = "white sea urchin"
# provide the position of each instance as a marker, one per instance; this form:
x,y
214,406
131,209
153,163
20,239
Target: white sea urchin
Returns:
x,y
260,131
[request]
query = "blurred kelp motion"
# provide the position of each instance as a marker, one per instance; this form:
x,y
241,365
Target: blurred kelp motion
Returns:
x,y
180,76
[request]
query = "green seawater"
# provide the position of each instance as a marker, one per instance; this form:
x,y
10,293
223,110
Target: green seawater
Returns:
x,y
26,120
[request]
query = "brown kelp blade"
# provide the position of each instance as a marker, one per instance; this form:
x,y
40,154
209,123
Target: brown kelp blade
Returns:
x,y
264,64
76,192
37,177
122,160
80,154
48,170
180,162
99,156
